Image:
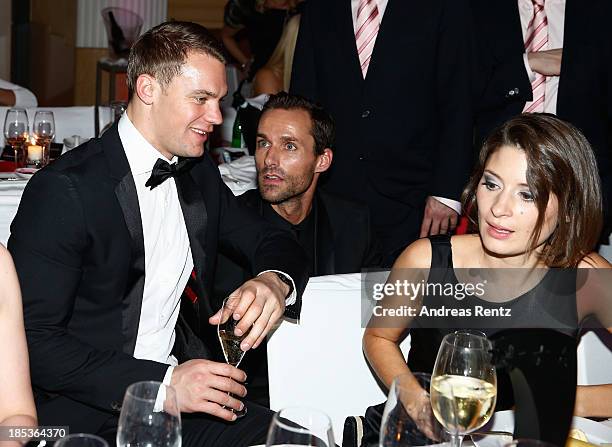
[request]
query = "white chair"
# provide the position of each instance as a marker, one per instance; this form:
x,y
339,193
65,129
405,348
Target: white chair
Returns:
x,y
319,362
594,360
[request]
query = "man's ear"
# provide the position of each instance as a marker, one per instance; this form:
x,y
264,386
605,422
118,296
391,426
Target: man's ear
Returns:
x,y
324,160
146,86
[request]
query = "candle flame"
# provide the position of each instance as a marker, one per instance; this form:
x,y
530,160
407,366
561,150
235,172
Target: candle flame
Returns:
x,y
33,141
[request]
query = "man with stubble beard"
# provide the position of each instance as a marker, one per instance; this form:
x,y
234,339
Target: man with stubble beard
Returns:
x,y
293,149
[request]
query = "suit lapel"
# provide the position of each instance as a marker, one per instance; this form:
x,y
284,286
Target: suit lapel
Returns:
x,y
346,38
125,191
196,217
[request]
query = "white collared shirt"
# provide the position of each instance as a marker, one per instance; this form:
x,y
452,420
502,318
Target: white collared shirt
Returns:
x,y
168,260
555,13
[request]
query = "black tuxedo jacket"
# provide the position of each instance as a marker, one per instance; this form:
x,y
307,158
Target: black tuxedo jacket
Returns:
x,y
405,132
78,247
344,240
585,84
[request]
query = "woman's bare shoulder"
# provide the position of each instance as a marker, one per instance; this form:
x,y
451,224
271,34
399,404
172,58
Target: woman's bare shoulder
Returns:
x,y
594,261
416,255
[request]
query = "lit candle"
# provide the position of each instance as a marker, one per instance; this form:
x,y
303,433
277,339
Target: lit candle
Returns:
x,y
35,153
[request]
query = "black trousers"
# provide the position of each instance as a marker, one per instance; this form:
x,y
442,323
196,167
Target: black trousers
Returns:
x,y
201,430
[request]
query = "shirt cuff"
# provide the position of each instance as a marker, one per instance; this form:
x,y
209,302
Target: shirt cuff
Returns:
x,y
291,299
456,206
161,394
24,98
530,73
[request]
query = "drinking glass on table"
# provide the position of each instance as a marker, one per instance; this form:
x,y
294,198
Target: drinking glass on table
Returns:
x,y
150,416
463,384
81,440
43,129
299,426
16,133
398,428
230,342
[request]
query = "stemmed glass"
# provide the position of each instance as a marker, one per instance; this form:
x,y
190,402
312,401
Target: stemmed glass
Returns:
x,y
43,130
297,426
230,342
398,428
81,440
150,416
463,384
16,132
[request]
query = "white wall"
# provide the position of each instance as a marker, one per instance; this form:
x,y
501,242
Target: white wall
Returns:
x,y
5,39
90,27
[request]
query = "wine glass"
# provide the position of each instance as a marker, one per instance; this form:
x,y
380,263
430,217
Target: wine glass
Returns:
x,y
463,384
16,132
230,342
297,426
398,428
43,130
150,416
81,440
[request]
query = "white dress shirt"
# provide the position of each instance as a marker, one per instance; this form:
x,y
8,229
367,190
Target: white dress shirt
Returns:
x,y
23,97
555,13
382,6
168,260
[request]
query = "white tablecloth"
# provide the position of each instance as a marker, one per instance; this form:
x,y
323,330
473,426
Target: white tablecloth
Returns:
x,y
239,176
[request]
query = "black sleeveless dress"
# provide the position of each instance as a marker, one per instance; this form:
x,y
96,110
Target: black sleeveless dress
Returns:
x,y
550,304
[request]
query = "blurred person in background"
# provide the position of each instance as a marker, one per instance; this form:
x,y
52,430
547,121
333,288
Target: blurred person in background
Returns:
x,y
13,95
263,22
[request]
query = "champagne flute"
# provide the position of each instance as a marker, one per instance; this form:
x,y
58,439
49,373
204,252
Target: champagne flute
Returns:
x,y
463,384
398,428
81,440
16,132
230,342
150,416
295,426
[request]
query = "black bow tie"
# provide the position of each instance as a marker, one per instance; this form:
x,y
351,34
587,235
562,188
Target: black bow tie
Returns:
x,y
162,170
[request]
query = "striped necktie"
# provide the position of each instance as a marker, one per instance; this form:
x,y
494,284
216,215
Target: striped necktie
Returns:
x,y
366,30
537,40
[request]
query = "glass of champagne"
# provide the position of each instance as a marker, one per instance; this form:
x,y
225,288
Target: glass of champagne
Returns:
x,y
463,384
398,428
43,130
296,426
16,133
150,416
230,342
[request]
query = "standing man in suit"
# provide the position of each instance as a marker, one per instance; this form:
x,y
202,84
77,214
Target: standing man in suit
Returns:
x,y
294,141
395,75
106,238
552,56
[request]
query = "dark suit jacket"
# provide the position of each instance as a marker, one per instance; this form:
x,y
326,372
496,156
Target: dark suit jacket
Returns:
x,y
405,132
585,84
78,247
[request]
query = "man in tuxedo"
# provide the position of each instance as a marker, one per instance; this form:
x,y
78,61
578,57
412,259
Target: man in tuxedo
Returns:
x,y
395,75
537,56
106,238
293,149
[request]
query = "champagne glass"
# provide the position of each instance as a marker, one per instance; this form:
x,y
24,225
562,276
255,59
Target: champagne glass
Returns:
x,y
463,384
398,428
230,342
81,440
150,416
297,426
16,132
